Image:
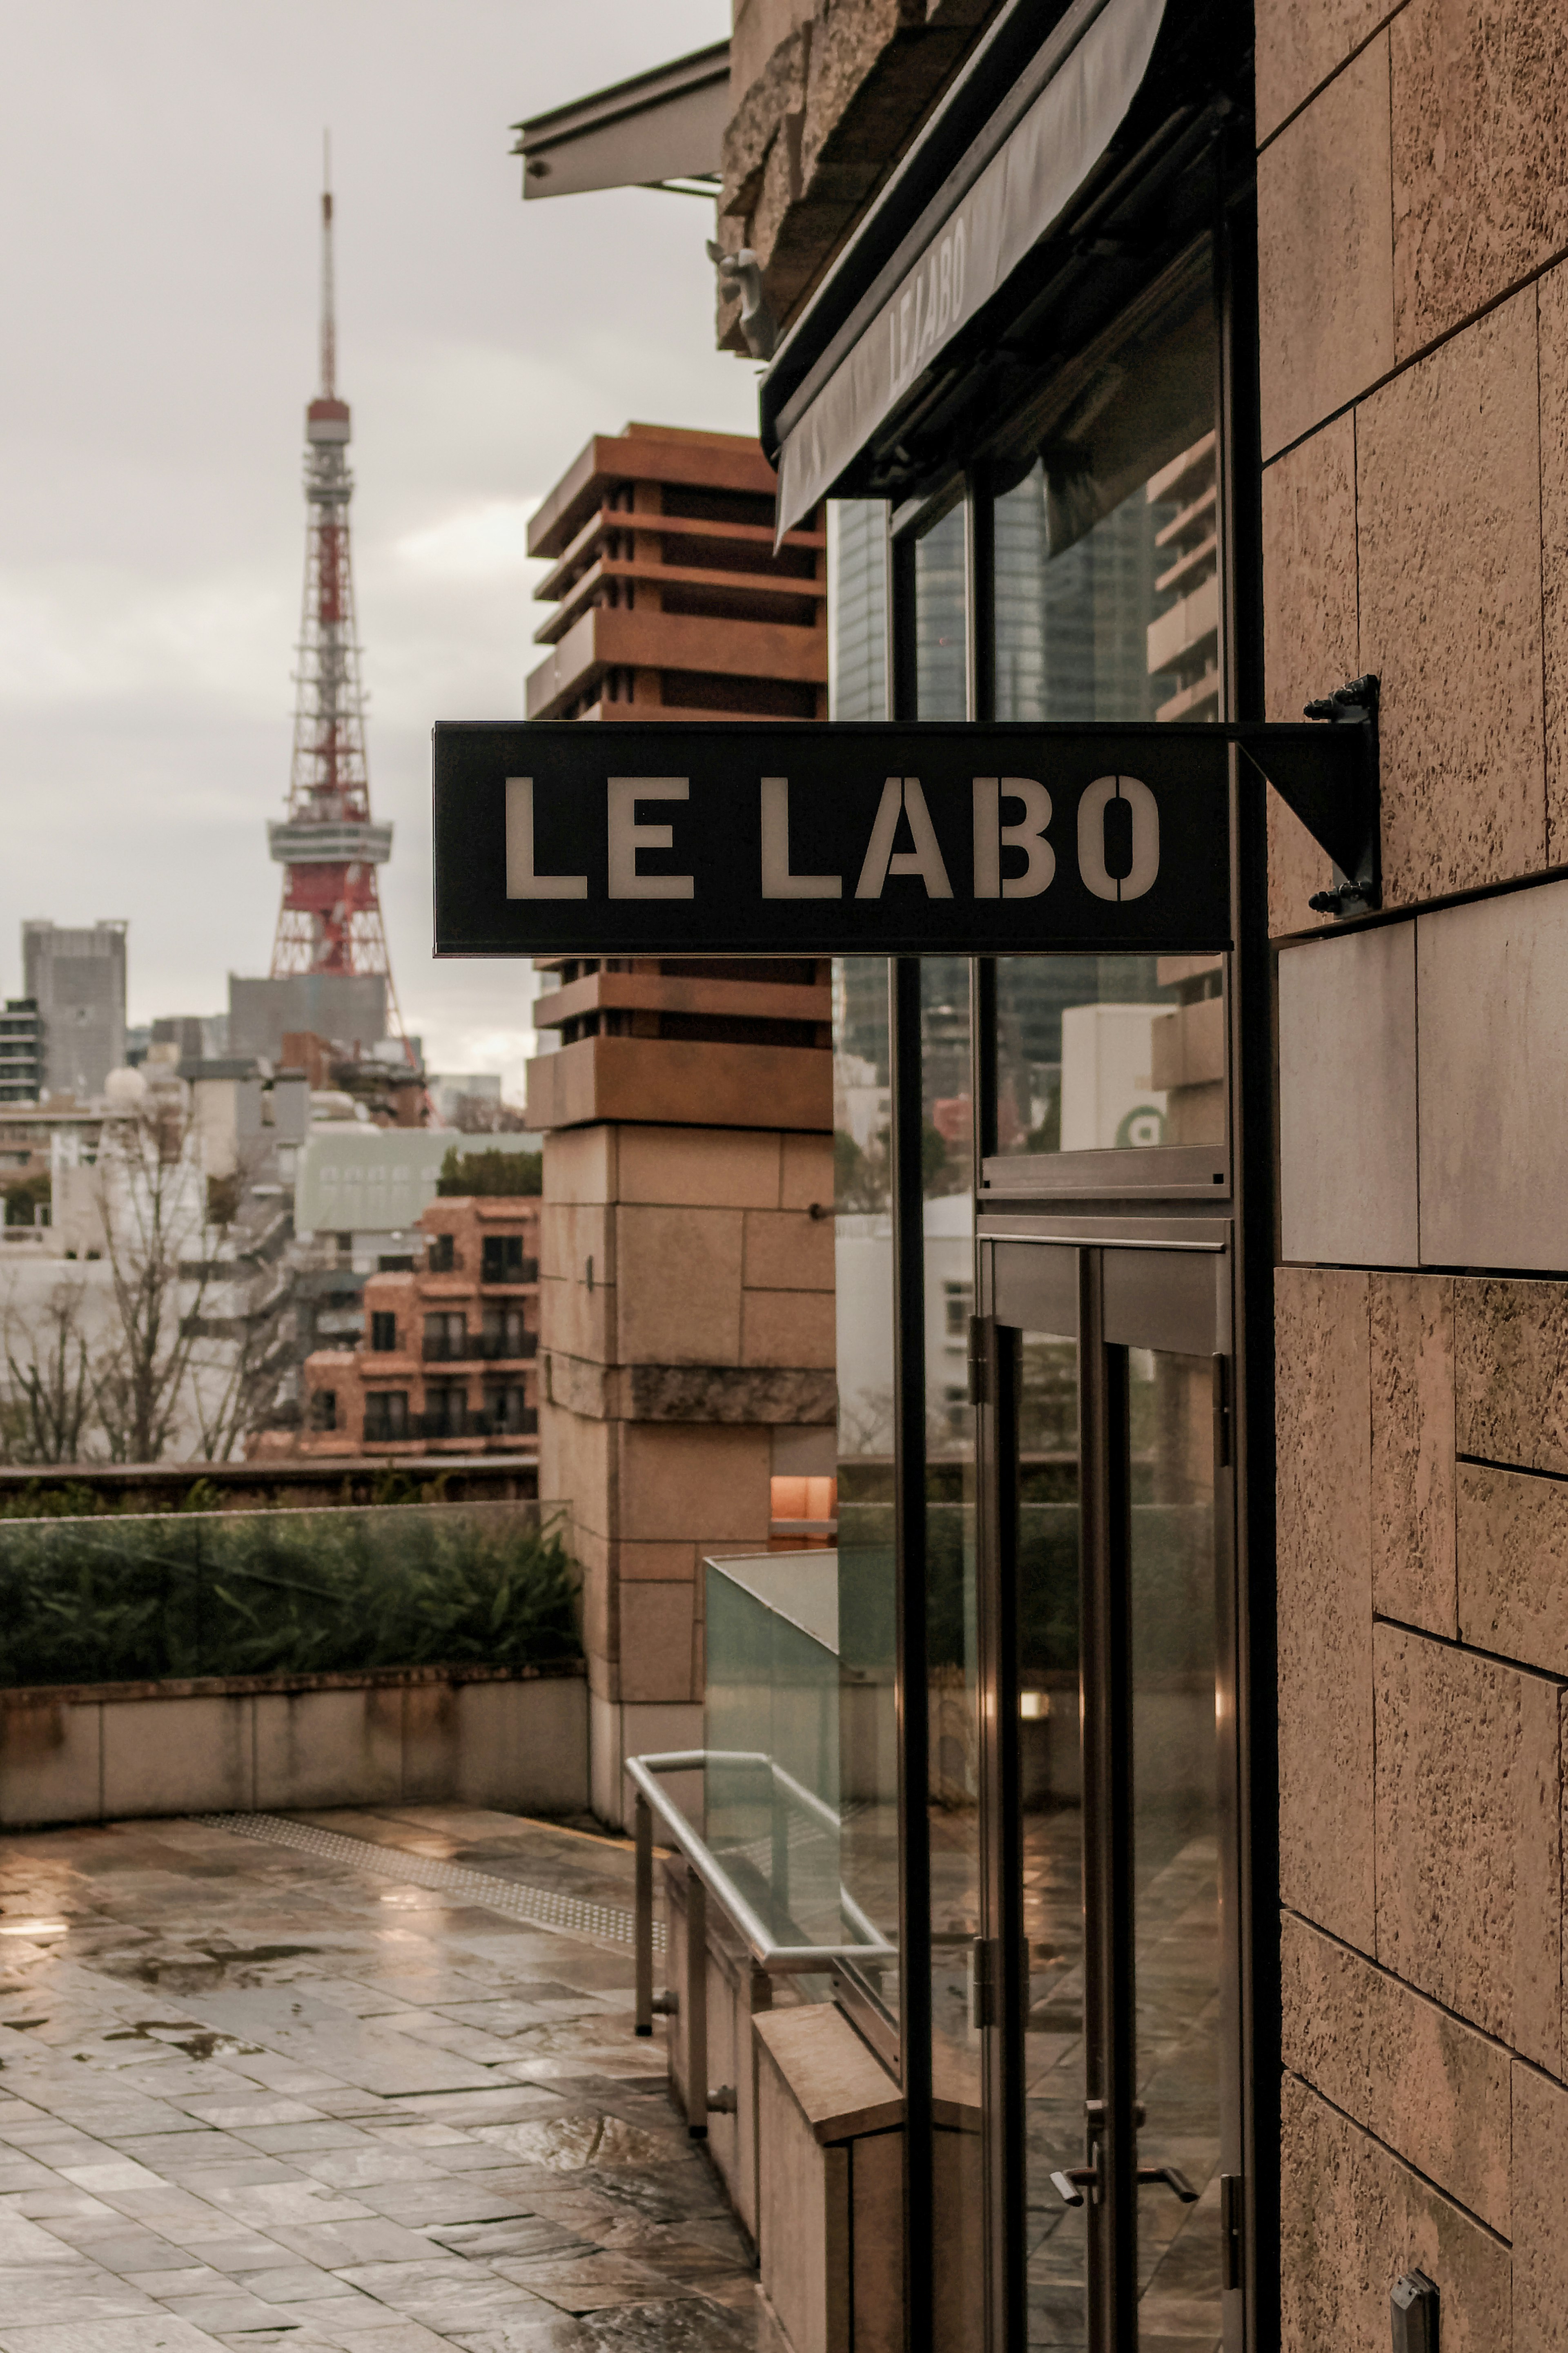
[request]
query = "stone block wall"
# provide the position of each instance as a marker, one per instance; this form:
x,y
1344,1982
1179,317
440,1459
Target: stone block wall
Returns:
x,y
825,95
1413,210
1424,1672
686,1317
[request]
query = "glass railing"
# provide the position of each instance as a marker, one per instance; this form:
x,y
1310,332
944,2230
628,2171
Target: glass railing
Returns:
x,y
146,1597
786,1721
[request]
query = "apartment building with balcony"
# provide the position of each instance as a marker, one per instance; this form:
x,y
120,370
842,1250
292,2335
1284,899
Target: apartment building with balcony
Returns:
x,y
445,1363
671,599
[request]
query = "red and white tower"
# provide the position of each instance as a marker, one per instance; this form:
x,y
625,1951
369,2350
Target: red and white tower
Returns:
x,y
328,846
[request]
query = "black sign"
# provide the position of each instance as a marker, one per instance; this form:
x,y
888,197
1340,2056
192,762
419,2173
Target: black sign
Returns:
x,y
745,837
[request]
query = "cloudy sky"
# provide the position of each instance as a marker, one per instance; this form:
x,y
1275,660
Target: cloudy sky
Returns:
x,y
159,177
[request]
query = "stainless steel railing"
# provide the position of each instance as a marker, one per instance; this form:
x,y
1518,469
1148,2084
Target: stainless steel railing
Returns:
x,y
709,1876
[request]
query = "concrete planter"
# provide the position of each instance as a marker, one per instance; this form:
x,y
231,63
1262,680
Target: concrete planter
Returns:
x,y
513,1738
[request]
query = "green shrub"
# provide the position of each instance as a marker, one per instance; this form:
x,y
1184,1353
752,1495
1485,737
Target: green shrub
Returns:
x,y
491,1173
115,1600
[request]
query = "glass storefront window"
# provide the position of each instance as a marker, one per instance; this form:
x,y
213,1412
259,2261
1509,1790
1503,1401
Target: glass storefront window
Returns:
x,y
942,662
867,1562
1107,606
1109,1053
857,608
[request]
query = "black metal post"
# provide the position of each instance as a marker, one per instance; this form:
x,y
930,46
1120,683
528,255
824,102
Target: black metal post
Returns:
x,y
909,1522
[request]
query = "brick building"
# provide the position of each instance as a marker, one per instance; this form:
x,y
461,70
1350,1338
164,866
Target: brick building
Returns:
x,y
447,1361
672,599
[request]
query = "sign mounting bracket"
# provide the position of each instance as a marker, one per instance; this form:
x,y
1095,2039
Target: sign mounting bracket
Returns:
x,y
1341,810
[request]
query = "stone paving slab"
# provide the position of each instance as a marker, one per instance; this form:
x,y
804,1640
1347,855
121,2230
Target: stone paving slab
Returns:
x,y
251,2097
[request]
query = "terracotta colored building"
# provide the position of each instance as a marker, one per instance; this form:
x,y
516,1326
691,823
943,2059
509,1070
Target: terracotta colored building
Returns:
x,y
670,597
447,1361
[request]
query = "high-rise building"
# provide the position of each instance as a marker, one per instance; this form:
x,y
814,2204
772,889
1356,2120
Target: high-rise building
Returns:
x,y
857,608
21,1051
75,978
671,600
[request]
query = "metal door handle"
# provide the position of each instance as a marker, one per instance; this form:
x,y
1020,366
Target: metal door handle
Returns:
x,y
1070,2187
1174,2178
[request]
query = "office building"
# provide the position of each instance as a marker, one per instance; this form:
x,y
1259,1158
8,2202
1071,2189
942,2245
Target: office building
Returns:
x,y
671,599
77,980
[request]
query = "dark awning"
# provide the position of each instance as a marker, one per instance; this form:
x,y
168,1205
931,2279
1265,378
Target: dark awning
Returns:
x,y
1018,179
655,131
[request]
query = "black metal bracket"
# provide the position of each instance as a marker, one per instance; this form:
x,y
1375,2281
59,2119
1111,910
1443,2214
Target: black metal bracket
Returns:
x,y
1340,810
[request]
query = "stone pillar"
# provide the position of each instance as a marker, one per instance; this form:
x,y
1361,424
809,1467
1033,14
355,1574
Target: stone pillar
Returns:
x,y
687,1329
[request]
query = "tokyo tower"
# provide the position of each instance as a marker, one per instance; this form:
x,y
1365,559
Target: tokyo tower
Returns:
x,y
328,846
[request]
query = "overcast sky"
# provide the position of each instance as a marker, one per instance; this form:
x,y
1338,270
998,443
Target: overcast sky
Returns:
x,y
159,177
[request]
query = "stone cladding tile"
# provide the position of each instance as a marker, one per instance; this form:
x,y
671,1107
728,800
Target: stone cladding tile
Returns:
x,y
1352,2219
1510,1371
1436,2090
1481,155
1448,526
1470,1870
1325,253
1412,1558
1540,2212
1514,1566
1300,44
1325,1600
1553,297
1310,639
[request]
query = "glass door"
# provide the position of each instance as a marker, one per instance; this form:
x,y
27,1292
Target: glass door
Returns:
x,y
1108,1992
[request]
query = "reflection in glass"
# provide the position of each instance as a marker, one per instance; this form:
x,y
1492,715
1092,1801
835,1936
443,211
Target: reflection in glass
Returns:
x,y
857,608
941,667
1051,1795
952,1642
1175,1838
1110,1052
1107,607
867,1628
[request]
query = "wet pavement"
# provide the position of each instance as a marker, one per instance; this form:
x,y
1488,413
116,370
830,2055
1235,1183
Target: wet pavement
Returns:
x,y
256,2094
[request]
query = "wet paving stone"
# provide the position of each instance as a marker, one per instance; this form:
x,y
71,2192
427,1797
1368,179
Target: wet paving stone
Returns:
x,y
251,2097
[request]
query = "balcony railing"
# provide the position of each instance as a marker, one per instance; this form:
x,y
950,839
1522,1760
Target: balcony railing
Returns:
x,y
521,1423
482,1347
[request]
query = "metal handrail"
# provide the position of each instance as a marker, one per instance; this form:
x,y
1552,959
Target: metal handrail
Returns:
x,y
708,1872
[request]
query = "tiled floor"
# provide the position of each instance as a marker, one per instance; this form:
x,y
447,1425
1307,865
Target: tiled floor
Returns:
x,y
251,2098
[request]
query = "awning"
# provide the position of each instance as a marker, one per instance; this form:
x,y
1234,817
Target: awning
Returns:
x,y
971,236
658,130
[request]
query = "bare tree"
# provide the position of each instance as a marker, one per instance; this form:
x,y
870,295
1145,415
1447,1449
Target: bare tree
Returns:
x,y
154,1218
51,1404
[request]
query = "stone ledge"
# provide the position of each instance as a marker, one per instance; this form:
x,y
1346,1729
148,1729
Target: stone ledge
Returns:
x,y
726,1395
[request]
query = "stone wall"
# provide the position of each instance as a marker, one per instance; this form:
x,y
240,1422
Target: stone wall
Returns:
x,y
1413,293
687,1316
1414,297
825,96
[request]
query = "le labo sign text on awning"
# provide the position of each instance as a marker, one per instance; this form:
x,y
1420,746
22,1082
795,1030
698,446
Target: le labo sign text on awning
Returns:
x,y
745,839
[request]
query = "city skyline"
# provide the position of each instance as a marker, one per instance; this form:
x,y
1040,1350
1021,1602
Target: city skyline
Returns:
x,y
167,298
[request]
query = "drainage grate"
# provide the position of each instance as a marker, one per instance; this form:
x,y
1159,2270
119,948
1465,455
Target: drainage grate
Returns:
x,y
541,1907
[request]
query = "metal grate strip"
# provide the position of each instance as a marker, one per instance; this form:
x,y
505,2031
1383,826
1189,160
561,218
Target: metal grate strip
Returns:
x,y
541,1907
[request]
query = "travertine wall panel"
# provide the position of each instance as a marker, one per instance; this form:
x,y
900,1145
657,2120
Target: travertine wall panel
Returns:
x,y
1514,1566
1413,1572
656,1660
1540,2214
1449,520
1480,155
1551,297
1300,44
1353,2218
1348,1149
1492,997
1511,1372
1326,253
1309,635
1433,2089
1469,1878
1325,1600
697,1168
689,1480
